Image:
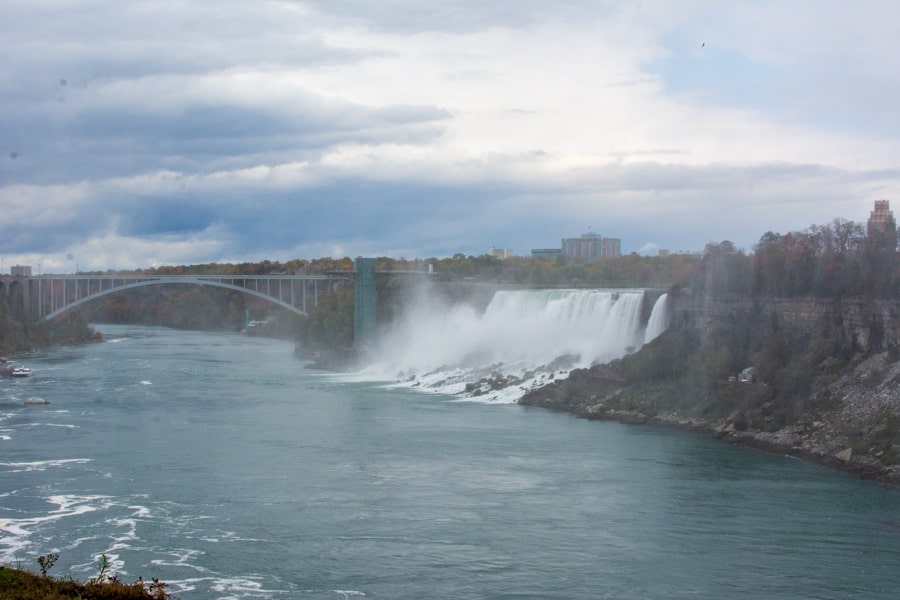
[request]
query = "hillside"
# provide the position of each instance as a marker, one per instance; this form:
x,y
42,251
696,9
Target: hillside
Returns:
x,y
19,334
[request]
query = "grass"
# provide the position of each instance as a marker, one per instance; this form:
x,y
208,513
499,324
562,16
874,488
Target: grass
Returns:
x,y
20,584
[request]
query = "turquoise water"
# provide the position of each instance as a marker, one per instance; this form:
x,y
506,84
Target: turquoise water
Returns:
x,y
216,463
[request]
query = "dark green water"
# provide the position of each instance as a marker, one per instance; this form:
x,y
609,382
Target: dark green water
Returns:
x,y
216,463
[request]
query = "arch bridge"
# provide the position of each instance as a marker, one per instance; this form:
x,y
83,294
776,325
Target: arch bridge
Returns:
x,y
48,296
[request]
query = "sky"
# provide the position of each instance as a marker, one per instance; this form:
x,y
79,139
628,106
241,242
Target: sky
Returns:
x,y
146,133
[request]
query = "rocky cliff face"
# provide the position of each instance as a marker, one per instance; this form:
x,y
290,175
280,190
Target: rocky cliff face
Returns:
x,y
858,429
869,325
833,399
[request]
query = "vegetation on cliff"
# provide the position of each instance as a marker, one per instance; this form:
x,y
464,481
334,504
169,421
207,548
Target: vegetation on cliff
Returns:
x,y
696,376
19,584
20,334
177,306
329,326
562,271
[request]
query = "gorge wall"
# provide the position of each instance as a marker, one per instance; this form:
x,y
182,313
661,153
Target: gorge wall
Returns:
x,y
869,324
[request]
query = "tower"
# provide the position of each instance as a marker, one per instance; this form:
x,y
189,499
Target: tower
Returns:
x,y
364,298
881,228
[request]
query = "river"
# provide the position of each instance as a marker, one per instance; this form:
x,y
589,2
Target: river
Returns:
x,y
219,464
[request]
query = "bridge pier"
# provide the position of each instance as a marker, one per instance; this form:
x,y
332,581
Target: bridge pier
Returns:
x,y
364,298
17,292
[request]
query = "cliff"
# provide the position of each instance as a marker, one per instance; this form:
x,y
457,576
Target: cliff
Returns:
x,y
824,383
19,334
868,324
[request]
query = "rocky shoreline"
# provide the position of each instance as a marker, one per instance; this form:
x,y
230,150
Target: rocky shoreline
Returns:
x,y
855,433
792,441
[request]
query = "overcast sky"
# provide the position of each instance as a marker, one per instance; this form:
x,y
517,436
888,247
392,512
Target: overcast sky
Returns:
x,y
146,133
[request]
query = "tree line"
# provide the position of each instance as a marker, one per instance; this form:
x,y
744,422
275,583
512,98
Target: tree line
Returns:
x,y
834,260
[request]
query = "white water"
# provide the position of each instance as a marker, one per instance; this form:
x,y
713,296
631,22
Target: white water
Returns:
x,y
532,336
659,319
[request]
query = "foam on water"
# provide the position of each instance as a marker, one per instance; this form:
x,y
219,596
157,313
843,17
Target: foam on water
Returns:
x,y
120,536
5,431
182,559
18,532
237,588
41,465
523,340
60,425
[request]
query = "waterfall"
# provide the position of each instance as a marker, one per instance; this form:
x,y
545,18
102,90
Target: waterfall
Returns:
x,y
659,319
539,327
529,337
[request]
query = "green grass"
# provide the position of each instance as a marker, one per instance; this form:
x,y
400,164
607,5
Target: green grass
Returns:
x,y
20,584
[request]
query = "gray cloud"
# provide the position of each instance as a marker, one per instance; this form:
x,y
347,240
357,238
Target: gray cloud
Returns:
x,y
429,128
460,15
101,141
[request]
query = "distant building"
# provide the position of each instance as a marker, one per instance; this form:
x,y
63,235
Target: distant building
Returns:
x,y
881,228
689,253
590,246
546,252
500,252
20,271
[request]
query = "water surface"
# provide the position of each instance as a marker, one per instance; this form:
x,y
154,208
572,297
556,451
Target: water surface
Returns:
x,y
218,464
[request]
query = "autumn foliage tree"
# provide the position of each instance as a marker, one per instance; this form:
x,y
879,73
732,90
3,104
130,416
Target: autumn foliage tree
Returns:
x,y
831,260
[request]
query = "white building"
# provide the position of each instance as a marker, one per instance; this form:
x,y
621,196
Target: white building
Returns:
x,y
500,252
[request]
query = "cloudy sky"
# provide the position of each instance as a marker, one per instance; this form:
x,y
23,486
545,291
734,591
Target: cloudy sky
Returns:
x,y
146,133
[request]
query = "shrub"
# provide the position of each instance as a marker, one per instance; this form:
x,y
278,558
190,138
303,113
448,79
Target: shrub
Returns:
x,y
19,584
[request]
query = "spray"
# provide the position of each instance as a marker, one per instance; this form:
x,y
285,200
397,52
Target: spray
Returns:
x,y
522,340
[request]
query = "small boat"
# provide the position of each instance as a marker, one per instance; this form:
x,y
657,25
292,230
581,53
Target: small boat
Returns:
x,y
21,372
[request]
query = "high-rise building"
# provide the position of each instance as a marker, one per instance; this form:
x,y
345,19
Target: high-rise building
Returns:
x,y
590,246
881,228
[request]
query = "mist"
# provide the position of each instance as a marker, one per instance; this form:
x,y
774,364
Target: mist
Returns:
x,y
522,339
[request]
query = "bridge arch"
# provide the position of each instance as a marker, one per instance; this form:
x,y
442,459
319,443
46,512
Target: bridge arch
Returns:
x,y
164,281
